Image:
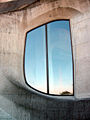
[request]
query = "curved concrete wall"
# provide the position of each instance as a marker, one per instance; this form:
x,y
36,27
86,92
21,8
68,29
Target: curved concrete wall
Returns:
x,y
23,102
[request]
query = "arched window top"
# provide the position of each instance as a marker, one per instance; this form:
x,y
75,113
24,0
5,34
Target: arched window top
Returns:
x,y
48,58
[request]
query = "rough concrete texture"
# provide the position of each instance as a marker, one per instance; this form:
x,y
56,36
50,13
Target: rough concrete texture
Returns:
x,y
16,98
5,116
13,5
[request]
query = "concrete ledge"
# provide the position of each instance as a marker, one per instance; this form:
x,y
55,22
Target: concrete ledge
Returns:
x,y
14,5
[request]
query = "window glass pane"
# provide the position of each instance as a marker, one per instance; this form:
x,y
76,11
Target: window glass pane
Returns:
x,y
35,59
60,58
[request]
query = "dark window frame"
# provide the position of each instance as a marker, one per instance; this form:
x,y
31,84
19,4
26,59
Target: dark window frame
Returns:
x,y
47,58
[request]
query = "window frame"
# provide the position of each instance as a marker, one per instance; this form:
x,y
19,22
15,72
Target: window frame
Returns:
x,y
47,58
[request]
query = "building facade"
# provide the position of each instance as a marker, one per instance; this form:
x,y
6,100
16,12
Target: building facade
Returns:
x,y
19,101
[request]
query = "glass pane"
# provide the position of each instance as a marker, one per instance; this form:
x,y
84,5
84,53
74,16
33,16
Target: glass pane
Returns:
x,y
35,59
60,58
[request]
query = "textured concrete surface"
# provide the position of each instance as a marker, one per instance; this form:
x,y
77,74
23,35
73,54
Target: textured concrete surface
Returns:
x,y
5,116
16,98
13,5
27,106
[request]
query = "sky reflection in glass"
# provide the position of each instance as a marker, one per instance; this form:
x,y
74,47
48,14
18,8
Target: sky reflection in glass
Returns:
x,y
60,57
35,59
60,64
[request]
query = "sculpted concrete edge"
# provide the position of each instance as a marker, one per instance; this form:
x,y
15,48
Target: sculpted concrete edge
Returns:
x,y
14,5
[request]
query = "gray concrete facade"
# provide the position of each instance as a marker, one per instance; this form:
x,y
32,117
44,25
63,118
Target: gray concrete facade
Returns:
x,y
17,100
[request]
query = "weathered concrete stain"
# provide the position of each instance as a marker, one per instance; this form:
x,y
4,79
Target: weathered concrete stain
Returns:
x,y
16,98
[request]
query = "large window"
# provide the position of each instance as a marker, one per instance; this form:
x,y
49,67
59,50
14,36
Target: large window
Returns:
x,y
48,58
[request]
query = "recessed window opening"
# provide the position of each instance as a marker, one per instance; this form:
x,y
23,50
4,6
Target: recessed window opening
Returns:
x,y
48,58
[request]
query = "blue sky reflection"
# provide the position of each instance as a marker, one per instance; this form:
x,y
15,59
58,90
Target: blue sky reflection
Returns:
x,y
35,59
59,58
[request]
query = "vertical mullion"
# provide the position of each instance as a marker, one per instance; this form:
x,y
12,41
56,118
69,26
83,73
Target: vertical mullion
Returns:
x,y
72,54
47,67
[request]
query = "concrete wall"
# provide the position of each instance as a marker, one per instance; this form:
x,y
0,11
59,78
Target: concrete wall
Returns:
x,y
16,98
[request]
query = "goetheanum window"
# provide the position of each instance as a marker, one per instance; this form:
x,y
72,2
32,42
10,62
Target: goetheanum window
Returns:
x,y
48,58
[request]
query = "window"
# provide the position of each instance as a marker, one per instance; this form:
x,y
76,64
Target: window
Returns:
x,y
48,58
